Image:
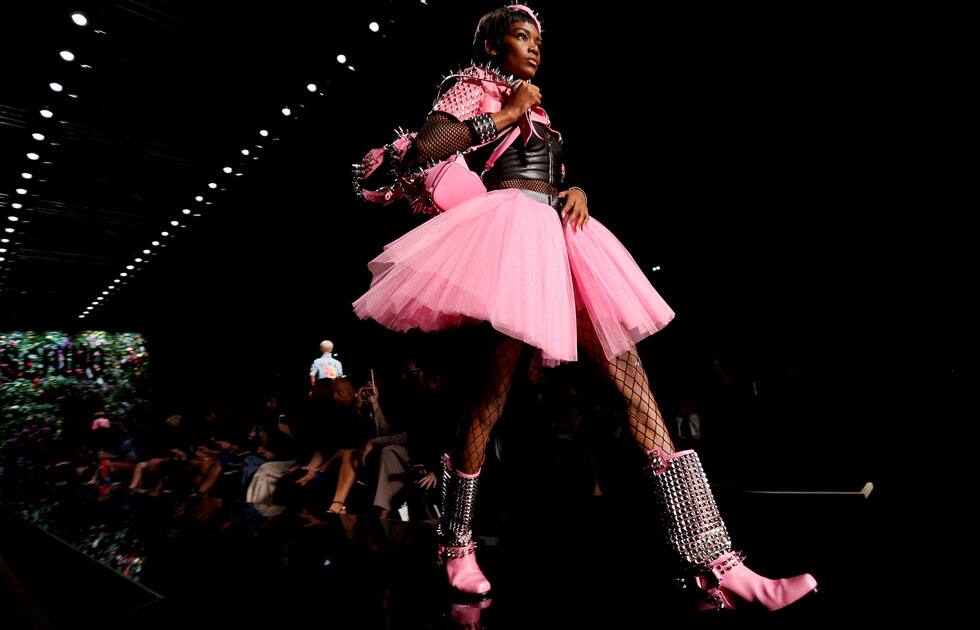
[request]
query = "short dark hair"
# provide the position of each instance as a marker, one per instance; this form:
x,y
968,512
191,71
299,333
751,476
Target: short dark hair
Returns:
x,y
492,28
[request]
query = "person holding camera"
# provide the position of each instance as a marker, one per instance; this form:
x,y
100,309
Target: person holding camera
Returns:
x,y
408,461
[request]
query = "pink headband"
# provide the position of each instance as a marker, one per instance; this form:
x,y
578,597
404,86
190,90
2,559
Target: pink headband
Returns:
x,y
527,9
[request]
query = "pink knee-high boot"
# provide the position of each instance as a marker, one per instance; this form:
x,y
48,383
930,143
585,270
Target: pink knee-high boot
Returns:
x,y
697,532
457,549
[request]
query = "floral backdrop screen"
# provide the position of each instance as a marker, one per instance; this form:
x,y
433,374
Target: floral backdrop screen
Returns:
x,y
44,373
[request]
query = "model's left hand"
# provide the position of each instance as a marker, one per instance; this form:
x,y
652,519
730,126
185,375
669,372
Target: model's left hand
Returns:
x,y
574,210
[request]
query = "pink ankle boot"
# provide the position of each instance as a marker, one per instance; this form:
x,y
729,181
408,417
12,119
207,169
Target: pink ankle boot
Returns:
x,y
457,549
730,579
697,532
463,572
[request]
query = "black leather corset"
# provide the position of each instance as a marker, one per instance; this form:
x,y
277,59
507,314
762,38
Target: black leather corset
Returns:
x,y
538,160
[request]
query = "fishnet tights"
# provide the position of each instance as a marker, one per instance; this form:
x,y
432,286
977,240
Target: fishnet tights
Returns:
x,y
504,357
626,372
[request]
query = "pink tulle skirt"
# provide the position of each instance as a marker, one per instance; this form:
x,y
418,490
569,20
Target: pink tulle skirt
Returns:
x,y
505,258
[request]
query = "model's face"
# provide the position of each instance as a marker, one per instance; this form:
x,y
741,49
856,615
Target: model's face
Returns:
x,y
520,53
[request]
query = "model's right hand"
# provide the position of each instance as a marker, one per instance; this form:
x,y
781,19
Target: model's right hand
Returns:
x,y
523,96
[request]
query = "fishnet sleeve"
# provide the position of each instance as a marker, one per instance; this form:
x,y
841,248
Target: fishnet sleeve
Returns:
x,y
441,136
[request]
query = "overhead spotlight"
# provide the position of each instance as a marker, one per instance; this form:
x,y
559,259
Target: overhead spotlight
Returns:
x,y
130,267
657,268
86,66
67,55
38,136
3,250
105,293
286,111
374,26
263,132
33,156
4,240
199,198
244,151
227,169
46,113
147,251
164,233
212,185
21,191
186,211
123,274
13,218
155,243
26,175
100,298
139,260
16,206
311,87
79,19
117,280
238,174
81,317
73,95
351,68
175,223
341,59
55,86
2,259
9,230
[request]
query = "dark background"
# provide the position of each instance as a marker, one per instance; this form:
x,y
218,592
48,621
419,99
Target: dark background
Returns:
x,y
778,164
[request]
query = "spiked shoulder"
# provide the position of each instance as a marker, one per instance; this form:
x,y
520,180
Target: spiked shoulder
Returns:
x,y
461,91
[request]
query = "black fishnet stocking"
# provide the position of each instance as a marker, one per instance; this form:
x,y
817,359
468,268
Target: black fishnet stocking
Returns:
x,y
473,443
626,372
